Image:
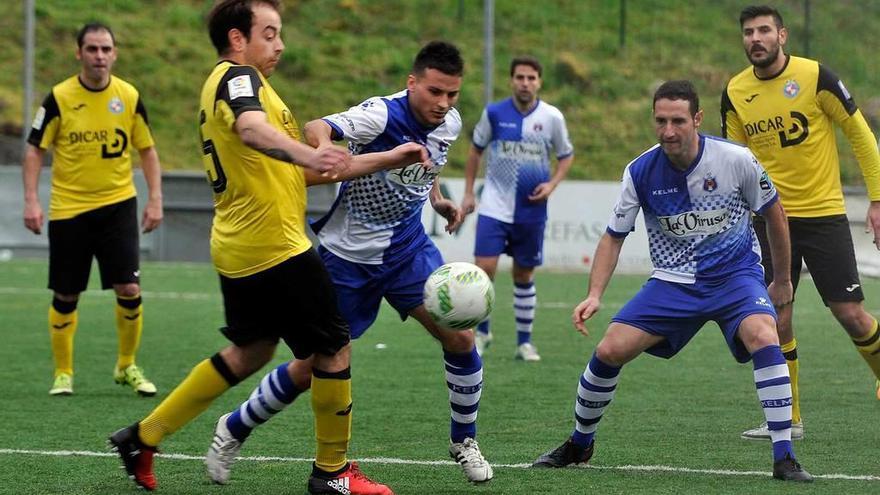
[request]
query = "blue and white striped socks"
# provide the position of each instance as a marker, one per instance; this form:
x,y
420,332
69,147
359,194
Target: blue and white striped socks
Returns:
x,y
595,391
774,392
464,378
524,301
275,392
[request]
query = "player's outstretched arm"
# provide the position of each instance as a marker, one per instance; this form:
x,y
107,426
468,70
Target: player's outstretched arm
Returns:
x,y
780,289
604,263
153,174
256,132
30,171
368,163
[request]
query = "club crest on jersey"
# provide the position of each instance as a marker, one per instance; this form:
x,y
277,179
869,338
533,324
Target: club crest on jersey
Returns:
x,y
791,88
115,105
709,183
537,127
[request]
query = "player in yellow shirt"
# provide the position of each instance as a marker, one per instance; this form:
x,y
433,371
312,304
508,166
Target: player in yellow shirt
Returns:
x,y
783,108
274,284
93,120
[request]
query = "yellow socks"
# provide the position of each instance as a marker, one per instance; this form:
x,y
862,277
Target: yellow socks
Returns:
x,y
331,404
869,348
129,324
207,381
789,350
62,327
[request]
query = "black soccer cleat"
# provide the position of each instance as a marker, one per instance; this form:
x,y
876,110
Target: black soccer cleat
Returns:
x,y
788,469
566,454
137,458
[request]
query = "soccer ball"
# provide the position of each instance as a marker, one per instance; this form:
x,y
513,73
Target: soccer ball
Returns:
x,y
459,295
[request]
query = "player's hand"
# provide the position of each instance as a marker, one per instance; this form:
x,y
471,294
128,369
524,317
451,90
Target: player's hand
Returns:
x,y
781,293
541,192
409,153
33,216
468,203
152,215
330,160
447,209
872,222
583,312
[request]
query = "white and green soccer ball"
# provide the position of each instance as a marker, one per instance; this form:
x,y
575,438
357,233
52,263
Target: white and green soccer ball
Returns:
x,y
459,295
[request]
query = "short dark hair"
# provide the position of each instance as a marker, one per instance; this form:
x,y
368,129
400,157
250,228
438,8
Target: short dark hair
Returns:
x,y
525,60
91,28
753,11
679,90
233,14
439,55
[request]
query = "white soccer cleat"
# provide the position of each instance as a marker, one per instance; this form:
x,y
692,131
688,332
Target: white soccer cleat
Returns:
x,y
224,448
527,352
482,341
763,433
474,465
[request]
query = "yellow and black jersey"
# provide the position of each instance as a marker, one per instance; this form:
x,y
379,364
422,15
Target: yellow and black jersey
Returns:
x,y
787,122
259,202
92,132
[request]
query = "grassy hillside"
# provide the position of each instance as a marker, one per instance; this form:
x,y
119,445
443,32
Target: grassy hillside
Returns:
x,y
341,51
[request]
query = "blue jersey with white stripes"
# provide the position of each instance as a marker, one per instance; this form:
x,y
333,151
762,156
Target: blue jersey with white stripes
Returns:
x,y
377,218
698,220
519,148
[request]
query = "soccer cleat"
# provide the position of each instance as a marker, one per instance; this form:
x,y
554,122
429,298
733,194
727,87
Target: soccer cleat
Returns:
x,y
137,458
63,385
482,341
788,469
527,352
222,452
566,454
474,465
763,433
349,482
134,377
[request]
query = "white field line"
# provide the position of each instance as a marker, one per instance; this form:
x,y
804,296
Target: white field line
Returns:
x,y
413,462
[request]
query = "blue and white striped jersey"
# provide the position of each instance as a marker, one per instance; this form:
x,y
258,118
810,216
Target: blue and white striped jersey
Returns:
x,y
698,220
377,218
519,148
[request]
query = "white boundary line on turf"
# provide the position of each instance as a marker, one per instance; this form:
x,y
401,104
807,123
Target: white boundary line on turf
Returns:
x,y
413,462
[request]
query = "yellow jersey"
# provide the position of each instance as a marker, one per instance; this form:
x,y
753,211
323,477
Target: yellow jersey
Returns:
x,y
259,202
787,122
92,132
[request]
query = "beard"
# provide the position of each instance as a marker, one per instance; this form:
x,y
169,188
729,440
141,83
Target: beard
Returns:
x,y
772,55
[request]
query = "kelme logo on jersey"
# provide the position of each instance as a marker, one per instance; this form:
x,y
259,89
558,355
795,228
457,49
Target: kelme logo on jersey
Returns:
x,y
791,88
115,105
693,223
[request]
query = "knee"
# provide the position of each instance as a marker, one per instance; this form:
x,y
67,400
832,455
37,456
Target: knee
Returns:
x,y
610,354
853,317
455,341
759,338
127,290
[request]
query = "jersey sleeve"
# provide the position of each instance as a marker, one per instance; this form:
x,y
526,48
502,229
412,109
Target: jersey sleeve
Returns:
x,y
560,139
483,131
360,124
626,209
45,124
837,103
239,88
755,184
142,138
731,126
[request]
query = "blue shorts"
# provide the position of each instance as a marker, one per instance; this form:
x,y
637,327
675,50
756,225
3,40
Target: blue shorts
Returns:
x,y
360,287
524,242
678,311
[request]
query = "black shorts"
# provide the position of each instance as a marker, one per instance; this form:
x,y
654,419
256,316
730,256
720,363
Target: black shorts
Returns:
x,y
294,301
109,234
825,245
